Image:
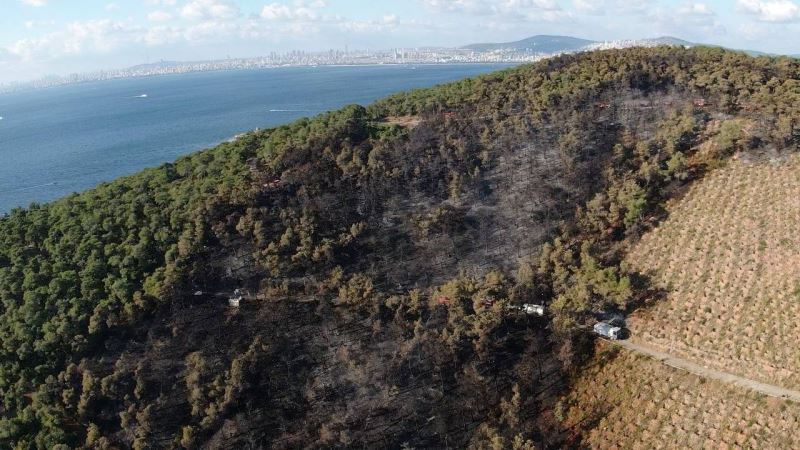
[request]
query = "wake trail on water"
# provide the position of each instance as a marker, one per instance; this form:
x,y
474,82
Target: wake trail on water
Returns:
x,y
27,188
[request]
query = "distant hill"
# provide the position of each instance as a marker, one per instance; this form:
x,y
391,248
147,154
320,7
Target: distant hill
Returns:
x,y
541,43
559,44
669,40
158,64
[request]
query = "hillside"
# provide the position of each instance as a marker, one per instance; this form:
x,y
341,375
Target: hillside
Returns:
x,y
540,43
669,40
563,44
727,260
385,251
625,400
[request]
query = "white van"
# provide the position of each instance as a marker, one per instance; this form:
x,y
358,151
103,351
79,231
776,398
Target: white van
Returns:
x,y
607,330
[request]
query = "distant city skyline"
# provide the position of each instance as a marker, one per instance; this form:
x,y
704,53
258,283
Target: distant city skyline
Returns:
x,y
58,37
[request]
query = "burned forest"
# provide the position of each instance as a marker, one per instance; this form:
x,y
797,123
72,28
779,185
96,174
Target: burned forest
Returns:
x,y
385,261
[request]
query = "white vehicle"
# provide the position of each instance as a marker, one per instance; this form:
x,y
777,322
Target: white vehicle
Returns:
x,y
533,309
607,330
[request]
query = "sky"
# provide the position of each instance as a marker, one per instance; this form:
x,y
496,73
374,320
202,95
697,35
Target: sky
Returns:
x,y
55,37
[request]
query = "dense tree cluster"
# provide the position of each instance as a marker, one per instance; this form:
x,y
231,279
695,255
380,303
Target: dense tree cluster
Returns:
x,y
369,221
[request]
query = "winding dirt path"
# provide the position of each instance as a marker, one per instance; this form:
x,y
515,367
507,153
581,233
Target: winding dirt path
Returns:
x,y
684,364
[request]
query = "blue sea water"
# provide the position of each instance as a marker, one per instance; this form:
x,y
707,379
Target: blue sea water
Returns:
x,y
67,139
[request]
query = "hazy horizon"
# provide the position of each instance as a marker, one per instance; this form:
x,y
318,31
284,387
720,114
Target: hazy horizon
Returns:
x,y
54,37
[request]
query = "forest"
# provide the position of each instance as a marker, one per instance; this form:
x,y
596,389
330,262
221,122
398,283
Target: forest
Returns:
x,y
384,261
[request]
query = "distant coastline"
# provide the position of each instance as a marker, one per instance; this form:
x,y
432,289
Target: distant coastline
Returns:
x,y
528,50
87,78
227,65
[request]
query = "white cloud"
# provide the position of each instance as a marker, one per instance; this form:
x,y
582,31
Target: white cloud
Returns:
x,y
210,30
521,5
695,9
588,6
771,10
601,7
541,4
93,36
495,12
300,11
209,9
31,24
694,20
276,11
162,2
161,35
212,22
35,3
453,5
159,16
386,23
690,20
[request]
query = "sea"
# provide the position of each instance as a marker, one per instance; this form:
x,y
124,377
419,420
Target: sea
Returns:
x,y
66,139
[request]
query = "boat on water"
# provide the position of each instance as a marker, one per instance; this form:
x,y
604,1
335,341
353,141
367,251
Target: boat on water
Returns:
x,y
142,96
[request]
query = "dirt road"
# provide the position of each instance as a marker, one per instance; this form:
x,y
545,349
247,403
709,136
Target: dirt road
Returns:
x,y
683,364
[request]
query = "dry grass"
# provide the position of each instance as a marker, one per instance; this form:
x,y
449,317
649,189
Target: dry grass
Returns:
x,y
404,121
729,258
630,401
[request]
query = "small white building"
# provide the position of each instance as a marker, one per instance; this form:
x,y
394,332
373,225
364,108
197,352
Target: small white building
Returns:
x,y
234,302
532,309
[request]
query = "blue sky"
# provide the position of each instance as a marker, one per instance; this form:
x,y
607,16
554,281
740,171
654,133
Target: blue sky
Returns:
x,y
46,37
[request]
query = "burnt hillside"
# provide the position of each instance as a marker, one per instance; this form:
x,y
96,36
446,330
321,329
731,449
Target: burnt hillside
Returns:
x,y
384,249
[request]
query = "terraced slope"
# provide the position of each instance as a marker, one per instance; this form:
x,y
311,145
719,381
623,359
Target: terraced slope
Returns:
x,y
631,401
728,258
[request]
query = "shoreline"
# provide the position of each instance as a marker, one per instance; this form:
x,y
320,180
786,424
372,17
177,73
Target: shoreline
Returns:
x,y
20,90
269,108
